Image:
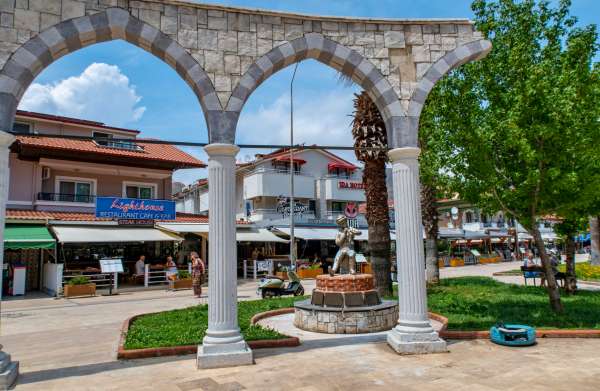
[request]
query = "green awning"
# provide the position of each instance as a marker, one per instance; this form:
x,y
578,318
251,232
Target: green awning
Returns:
x,y
24,236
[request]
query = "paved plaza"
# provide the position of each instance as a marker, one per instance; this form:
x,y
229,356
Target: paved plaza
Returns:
x,y
71,345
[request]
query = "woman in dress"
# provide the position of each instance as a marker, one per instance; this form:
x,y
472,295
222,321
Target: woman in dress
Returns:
x,y
197,273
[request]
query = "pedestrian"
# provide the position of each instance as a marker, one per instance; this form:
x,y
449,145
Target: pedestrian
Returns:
x,y
198,270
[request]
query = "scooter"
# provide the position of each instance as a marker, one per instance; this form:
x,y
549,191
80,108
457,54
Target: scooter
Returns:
x,y
272,286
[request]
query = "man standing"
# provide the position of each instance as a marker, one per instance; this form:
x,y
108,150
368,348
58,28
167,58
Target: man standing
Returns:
x,y
140,266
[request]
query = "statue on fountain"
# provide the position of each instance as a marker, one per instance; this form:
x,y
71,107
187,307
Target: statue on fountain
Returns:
x,y
346,256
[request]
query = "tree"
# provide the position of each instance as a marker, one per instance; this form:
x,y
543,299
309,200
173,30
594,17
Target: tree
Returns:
x,y
595,239
516,123
370,142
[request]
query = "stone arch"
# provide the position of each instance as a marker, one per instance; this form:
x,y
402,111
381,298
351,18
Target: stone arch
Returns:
x,y
68,36
316,46
463,54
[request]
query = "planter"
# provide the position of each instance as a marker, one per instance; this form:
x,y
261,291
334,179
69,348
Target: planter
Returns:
x,y
309,273
441,263
489,260
185,283
457,262
282,275
79,290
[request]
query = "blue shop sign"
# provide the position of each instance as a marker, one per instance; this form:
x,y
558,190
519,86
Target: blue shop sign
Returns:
x,y
133,208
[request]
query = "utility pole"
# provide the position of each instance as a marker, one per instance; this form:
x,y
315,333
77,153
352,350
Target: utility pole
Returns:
x,y
292,202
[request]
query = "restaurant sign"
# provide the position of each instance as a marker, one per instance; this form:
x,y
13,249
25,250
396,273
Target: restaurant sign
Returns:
x,y
134,209
351,185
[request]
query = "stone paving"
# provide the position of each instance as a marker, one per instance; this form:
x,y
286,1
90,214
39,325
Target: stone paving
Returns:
x,y
71,345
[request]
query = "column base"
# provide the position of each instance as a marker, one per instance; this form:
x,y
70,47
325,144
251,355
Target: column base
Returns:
x,y
416,343
9,371
224,355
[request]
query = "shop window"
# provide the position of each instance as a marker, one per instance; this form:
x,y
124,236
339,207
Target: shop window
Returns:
x,y
70,190
141,191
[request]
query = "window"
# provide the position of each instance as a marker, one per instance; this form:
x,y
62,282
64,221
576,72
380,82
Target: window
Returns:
x,y
469,217
105,140
312,205
19,127
144,191
74,190
338,206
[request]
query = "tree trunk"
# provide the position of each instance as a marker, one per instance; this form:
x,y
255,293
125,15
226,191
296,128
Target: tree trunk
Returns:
x,y
430,223
551,285
571,279
595,234
378,218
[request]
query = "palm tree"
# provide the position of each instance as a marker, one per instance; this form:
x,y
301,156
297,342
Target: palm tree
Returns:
x,y
430,224
370,143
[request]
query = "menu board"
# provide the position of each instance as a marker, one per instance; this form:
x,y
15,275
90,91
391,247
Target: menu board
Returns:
x,y
111,265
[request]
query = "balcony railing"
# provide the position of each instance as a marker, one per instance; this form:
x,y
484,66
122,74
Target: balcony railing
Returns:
x,y
128,145
62,197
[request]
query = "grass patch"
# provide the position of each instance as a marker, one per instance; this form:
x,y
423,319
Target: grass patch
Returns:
x,y
477,303
187,326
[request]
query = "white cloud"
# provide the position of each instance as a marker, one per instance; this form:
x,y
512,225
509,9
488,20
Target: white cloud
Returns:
x,y
323,121
101,92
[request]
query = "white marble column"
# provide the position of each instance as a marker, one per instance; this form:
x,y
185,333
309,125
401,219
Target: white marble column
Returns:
x,y
223,344
413,334
9,370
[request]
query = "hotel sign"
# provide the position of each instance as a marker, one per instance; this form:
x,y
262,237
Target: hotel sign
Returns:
x,y
134,209
351,185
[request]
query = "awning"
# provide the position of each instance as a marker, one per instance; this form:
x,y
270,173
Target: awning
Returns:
x,y
325,233
112,234
258,235
340,165
23,237
187,228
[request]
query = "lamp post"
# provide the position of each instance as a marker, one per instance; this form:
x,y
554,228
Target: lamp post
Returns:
x,y
292,202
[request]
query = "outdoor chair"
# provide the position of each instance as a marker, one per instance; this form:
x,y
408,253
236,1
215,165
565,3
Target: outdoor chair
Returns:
x,y
531,273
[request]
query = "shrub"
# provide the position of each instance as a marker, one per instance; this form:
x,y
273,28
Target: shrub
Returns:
x,y
79,280
183,274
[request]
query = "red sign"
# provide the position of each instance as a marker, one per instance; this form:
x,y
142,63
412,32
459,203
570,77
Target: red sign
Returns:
x,y
351,185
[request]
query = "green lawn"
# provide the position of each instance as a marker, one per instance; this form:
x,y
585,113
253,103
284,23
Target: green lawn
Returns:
x,y
583,270
469,303
187,326
476,303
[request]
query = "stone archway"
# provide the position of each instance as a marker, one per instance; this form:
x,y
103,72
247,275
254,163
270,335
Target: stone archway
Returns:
x,y
224,53
37,53
314,45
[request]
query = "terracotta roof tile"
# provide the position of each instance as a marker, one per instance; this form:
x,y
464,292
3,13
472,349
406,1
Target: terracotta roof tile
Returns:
x,y
154,152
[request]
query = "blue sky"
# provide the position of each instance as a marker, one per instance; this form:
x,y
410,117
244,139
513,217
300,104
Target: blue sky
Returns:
x,y
122,85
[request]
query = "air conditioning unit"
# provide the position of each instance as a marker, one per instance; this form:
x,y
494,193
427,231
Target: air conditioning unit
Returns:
x,y
45,173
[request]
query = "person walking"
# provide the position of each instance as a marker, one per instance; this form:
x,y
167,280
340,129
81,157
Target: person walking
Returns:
x,y
198,270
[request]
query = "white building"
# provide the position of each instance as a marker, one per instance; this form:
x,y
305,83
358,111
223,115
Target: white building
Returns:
x,y
325,186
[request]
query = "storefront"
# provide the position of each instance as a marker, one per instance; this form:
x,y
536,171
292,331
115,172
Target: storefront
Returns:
x,y
26,248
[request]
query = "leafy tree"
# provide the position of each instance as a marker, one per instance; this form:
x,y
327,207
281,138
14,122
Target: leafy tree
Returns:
x,y
516,124
370,142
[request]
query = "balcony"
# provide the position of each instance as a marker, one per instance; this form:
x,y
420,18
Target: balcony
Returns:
x,y
272,215
61,197
342,189
275,183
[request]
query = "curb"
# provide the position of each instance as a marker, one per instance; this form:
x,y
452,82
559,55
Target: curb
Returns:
x,y
485,334
130,354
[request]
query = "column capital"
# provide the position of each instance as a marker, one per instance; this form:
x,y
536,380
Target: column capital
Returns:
x,y
6,139
217,149
404,153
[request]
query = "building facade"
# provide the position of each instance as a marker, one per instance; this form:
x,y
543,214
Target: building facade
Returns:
x,y
55,178
325,186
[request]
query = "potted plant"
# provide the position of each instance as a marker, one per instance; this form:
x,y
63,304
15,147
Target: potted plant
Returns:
x,y
79,286
183,281
311,271
281,272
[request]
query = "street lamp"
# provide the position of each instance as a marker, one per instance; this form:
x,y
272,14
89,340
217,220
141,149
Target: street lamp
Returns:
x,y
292,202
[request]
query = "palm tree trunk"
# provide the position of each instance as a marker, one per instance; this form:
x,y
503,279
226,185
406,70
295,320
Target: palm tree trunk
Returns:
x,y
430,224
379,225
595,234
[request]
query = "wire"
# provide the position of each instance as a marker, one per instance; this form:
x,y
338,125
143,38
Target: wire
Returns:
x,y
197,144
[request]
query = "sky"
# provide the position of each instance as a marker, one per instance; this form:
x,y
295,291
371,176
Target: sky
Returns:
x,y
122,85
